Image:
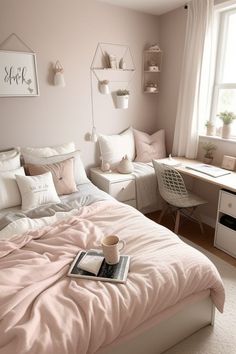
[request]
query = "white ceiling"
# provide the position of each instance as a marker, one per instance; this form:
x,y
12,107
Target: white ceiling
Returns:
x,y
154,7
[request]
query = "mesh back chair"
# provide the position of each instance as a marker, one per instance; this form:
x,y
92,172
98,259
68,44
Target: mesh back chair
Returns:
x,y
172,189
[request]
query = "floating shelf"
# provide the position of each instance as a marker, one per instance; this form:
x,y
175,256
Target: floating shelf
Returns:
x,y
114,75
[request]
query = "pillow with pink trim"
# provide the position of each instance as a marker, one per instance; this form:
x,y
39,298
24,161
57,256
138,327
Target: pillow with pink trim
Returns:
x,y
149,147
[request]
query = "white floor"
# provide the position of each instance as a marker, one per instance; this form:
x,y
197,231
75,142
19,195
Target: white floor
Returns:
x,y
220,339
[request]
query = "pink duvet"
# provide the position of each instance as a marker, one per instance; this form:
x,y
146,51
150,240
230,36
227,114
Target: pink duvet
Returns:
x,y
44,311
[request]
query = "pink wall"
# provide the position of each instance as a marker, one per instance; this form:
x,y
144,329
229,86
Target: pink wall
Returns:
x,y
69,31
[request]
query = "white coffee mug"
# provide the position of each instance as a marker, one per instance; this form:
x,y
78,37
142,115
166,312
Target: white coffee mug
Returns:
x,y
111,246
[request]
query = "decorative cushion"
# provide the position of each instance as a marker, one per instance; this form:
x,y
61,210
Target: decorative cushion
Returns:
x,y
149,147
9,161
62,174
79,171
9,191
49,150
114,147
37,190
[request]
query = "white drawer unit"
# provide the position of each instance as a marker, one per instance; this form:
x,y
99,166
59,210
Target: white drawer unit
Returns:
x,y
225,233
119,186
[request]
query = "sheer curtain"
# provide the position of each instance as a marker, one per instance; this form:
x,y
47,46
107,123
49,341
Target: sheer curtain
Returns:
x,y
196,77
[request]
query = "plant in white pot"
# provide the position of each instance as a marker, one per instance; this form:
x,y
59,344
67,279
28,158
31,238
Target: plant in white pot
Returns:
x,y
227,118
122,99
210,128
208,147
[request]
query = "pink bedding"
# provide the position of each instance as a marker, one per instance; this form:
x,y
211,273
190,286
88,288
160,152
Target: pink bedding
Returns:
x,y
44,311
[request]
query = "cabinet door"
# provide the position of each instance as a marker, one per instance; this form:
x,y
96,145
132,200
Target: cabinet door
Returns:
x,y
228,203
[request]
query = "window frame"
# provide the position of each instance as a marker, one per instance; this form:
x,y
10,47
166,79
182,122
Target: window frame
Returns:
x,y
223,25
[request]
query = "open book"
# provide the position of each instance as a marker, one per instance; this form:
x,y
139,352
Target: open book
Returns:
x,y
116,273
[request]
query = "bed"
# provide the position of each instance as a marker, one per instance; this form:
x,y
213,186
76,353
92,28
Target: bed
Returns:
x,y
171,291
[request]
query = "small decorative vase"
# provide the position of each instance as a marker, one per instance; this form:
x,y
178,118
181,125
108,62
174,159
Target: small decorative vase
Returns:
x,y
122,101
122,64
125,165
210,130
226,131
208,160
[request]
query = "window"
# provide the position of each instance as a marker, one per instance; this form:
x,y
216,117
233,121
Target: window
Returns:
x,y
224,93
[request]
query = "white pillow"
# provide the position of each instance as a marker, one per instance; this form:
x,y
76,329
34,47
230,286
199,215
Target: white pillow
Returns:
x,y
37,190
114,147
79,171
9,162
8,154
9,191
49,150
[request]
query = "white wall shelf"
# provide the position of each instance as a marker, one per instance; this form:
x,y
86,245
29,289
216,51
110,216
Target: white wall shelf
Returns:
x,y
152,60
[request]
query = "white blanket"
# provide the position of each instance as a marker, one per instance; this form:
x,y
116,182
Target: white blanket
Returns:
x,y
147,194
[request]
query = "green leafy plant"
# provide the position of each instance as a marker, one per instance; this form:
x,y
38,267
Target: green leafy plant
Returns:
x,y
209,148
227,117
122,92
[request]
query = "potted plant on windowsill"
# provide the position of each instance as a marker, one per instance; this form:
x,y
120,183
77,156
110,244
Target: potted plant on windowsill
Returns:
x,y
208,147
210,128
227,118
122,99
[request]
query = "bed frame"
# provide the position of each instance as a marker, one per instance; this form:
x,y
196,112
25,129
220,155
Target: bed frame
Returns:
x,y
170,331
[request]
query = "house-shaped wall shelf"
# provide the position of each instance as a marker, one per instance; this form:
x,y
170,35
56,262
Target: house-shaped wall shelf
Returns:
x,y
113,62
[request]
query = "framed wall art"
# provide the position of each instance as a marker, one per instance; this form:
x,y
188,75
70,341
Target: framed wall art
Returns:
x,y
18,74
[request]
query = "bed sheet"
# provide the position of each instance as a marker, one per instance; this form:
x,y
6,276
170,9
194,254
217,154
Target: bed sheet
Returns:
x,y
42,310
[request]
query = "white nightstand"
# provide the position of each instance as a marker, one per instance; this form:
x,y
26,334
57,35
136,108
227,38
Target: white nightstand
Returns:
x,y
119,186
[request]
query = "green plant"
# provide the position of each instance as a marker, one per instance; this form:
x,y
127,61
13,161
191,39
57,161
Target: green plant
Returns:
x,y
209,124
227,117
122,92
209,148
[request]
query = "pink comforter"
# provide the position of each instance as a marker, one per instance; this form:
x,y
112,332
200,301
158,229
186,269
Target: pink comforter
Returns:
x,y
44,311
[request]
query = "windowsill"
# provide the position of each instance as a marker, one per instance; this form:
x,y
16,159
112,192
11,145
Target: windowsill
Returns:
x,y
218,138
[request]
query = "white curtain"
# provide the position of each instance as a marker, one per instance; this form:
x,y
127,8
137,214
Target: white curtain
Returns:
x,y
196,77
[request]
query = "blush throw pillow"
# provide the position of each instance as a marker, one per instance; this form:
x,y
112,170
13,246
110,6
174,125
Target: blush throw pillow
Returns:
x,y
9,191
37,190
49,150
62,174
149,147
114,147
79,171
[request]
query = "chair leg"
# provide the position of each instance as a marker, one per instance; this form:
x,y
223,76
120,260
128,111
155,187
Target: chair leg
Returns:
x,y
162,213
177,222
199,219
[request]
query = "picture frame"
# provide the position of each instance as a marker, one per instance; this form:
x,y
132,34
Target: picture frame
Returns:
x,y
18,74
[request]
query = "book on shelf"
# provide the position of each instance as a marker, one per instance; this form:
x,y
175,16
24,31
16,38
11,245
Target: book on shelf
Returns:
x,y
209,170
99,269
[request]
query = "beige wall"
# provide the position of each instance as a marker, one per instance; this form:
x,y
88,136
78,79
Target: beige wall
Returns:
x,y
69,31
172,35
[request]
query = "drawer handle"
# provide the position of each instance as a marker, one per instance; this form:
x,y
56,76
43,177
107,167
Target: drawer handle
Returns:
x,y
230,205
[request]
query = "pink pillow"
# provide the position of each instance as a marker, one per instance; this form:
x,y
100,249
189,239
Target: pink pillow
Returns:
x,y
149,147
62,174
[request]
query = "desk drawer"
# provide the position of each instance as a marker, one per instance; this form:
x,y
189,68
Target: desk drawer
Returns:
x,y
123,191
228,203
226,239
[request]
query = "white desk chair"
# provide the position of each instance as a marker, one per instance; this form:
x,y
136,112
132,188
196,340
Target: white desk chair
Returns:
x,y
172,189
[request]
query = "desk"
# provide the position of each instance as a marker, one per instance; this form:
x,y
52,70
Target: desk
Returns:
x,y
227,181
225,237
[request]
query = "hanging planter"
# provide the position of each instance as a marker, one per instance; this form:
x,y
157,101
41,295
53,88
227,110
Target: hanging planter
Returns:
x,y
104,87
122,99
